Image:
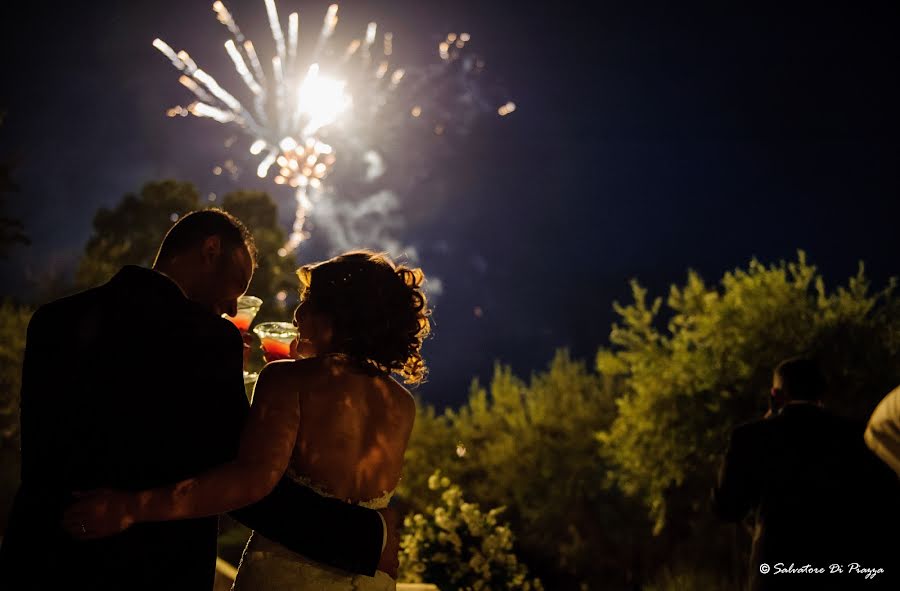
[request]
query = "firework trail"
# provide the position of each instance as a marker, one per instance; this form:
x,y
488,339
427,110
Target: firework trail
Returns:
x,y
305,113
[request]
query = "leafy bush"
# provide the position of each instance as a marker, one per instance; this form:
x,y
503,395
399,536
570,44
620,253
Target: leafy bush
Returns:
x,y
455,545
13,324
528,445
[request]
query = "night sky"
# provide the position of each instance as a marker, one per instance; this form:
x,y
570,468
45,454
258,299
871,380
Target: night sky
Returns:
x,y
650,138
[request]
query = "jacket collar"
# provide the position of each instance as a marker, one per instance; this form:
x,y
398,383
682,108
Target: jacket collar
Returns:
x,y
134,277
801,407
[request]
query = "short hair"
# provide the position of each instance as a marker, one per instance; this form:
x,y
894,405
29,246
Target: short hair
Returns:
x,y
195,227
377,308
802,379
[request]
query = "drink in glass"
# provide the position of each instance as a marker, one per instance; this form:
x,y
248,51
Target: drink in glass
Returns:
x,y
276,338
247,308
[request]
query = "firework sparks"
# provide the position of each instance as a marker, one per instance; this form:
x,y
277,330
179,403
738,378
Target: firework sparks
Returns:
x,y
306,113
506,109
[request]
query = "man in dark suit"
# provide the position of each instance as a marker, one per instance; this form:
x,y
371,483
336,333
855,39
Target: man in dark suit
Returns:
x,y
138,383
813,488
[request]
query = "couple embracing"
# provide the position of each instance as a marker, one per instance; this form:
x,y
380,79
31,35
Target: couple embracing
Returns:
x,y
137,434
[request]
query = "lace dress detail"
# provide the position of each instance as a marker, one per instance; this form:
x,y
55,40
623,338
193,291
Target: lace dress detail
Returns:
x,y
379,502
268,566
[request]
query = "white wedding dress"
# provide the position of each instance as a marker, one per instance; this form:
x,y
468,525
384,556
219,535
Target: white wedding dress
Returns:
x,y
269,566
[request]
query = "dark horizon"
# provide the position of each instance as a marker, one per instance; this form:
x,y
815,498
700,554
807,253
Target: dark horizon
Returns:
x,y
647,141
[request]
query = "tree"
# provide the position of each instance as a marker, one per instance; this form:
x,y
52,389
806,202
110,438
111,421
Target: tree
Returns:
x,y
592,466
130,233
685,387
12,231
528,446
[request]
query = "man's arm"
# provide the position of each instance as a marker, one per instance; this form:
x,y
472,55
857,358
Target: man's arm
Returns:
x,y
323,529
326,530
733,496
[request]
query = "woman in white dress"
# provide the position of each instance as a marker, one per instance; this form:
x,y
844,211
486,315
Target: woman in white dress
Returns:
x,y
333,419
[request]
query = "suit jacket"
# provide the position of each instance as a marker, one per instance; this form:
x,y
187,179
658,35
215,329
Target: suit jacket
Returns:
x,y
130,385
817,494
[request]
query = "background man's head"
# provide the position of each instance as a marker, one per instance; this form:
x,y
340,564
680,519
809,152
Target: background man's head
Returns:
x,y
799,379
211,255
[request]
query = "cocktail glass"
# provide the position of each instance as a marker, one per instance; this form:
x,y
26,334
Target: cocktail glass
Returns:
x,y
247,308
276,339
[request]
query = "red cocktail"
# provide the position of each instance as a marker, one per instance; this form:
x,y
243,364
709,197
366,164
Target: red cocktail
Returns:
x,y
241,322
247,308
276,338
276,349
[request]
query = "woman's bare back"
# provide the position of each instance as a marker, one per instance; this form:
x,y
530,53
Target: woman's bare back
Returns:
x,y
354,428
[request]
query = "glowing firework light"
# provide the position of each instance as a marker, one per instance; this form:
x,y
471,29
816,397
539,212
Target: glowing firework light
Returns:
x,y
303,114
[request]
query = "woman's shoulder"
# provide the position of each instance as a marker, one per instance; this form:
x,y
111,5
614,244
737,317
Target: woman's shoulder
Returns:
x,y
292,369
402,399
307,375
324,375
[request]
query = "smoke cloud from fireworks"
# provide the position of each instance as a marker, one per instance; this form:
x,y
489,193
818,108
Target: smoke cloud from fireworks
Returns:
x,y
310,111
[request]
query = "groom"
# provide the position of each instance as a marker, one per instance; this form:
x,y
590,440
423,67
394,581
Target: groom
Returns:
x,y
135,384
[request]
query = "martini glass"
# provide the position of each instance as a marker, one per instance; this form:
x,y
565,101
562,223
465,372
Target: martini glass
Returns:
x,y
276,338
247,308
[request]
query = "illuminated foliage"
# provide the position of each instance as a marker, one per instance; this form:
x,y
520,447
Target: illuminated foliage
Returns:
x,y
455,545
529,446
13,324
588,463
684,387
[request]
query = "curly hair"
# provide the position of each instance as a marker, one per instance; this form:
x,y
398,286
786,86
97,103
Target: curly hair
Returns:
x,y
377,308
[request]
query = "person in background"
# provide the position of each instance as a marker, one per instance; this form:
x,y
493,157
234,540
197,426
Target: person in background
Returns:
x,y
811,486
883,430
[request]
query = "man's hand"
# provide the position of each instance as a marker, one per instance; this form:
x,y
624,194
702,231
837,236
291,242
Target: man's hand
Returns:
x,y
390,556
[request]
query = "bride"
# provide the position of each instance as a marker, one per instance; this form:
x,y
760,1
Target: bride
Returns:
x,y
334,420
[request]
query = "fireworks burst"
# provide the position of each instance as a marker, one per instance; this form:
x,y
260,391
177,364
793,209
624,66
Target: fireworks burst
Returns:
x,y
305,112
